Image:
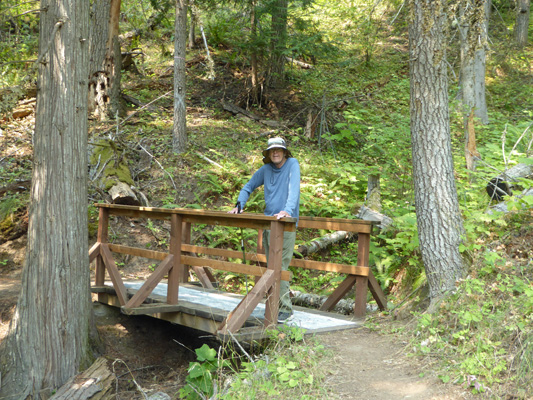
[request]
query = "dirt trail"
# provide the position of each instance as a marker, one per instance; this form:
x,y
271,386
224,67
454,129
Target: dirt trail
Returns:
x,y
370,366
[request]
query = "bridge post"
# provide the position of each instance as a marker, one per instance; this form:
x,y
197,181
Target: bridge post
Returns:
x,y
361,282
102,237
176,272
185,238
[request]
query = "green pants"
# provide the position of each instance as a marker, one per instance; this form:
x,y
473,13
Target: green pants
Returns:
x,y
289,238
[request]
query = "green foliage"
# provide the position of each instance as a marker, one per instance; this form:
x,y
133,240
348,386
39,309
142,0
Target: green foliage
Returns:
x,y
288,368
201,378
476,329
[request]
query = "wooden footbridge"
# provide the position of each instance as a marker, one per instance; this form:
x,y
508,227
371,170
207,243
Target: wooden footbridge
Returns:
x,y
167,293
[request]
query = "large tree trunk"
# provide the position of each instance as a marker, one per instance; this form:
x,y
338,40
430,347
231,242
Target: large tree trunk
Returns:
x,y
522,22
105,59
48,340
179,132
473,31
437,208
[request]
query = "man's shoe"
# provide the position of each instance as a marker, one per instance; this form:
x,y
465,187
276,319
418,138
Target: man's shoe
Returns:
x,y
284,317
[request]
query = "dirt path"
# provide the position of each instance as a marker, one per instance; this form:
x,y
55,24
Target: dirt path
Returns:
x,y
370,366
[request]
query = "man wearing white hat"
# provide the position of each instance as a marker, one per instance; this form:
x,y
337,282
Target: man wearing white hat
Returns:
x,y
280,177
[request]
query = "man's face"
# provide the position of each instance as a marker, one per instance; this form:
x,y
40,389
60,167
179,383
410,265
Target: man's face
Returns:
x,y
277,155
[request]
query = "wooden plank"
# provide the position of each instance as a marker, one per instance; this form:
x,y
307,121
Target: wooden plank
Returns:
x,y
376,291
112,269
338,293
230,266
185,239
149,285
101,237
153,308
134,212
363,249
361,284
203,277
336,224
359,307
236,318
295,262
331,267
94,252
138,252
275,253
244,220
175,249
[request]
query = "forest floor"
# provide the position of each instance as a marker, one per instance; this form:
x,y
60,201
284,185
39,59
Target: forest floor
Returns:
x,y
361,363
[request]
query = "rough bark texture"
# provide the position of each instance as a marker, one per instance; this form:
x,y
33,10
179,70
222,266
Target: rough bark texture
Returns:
x,y
438,216
522,22
473,30
48,340
179,132
105,59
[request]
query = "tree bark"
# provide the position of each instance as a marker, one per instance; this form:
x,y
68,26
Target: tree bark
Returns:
x,y
179,132
105,59
192,29
471,153
473,31
254,58
49,336
437,207
522,22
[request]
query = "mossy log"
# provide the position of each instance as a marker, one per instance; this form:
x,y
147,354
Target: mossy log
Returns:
x,y
111,173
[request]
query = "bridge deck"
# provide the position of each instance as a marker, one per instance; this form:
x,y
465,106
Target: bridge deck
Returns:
x,y
204,309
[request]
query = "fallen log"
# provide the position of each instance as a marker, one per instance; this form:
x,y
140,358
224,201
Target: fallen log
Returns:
x,y
16,187
301,64
365,213
323,242
502,185
381,221
502,206
93,384
121,193
235,109
344,306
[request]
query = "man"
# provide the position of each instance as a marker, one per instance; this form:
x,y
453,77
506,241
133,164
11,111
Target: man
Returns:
x,y
280,177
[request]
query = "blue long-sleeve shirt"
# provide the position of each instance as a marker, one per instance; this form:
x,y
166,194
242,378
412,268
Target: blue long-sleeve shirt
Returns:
x,y
282,187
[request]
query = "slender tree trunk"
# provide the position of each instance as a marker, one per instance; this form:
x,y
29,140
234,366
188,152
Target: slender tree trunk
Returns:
x,y
254,57
276,74
179,138
48,340
437,208
473,30
522,22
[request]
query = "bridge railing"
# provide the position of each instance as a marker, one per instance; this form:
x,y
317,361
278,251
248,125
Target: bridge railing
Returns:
x,y
183,255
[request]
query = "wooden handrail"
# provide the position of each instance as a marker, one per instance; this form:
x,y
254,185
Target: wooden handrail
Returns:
x,y
181,219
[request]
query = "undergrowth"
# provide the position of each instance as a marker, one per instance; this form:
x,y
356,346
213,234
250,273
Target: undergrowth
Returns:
x,y
288,366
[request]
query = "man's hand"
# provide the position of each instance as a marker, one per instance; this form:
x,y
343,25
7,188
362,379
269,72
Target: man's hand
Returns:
x,y
235,211
282,214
